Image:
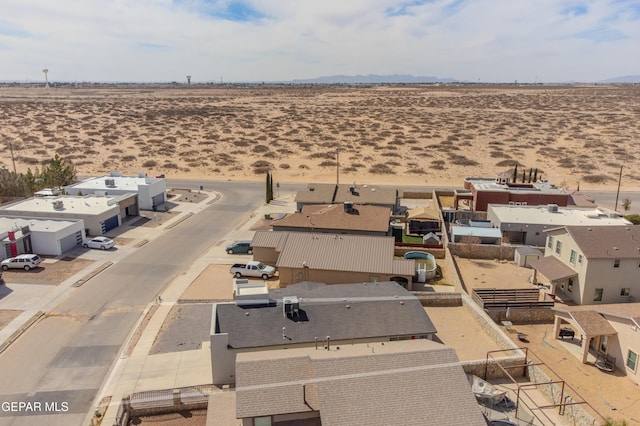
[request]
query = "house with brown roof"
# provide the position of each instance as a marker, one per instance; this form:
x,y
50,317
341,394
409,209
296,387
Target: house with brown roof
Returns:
x,y
612,331
331,258
417,382
337,219
329,193
311,315
591,265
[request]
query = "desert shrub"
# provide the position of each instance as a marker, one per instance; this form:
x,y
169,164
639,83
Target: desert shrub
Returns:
x,y
381,169
328,163
461,160
327,155
303,166
149,163
241,143
633,218
262,164
596,178
285,166
508,163
415,171
28,160
260,170
284,151
260,148
170,165
128,158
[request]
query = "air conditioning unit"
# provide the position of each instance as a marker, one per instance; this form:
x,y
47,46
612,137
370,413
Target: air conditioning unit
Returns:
x,y
110,182
58,205
552,208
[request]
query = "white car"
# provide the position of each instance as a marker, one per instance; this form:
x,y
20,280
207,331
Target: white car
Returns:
x,y
103,243
23,261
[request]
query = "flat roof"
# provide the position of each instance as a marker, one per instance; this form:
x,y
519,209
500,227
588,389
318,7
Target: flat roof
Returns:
x,y
486,184
328,193
476,231
335,216
8,223
564,216
343,312
86,204
121,183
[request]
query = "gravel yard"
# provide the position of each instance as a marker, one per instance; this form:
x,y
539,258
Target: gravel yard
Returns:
x,y
184,329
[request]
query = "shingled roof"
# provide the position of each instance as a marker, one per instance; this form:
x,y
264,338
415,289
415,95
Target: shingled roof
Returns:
x,y
414,382
607,242
343,312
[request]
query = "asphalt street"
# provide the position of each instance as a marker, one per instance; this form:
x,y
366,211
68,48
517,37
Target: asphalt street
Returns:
x,y
59,365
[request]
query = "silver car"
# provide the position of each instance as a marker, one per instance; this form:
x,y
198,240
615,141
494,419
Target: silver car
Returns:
x,y
23,261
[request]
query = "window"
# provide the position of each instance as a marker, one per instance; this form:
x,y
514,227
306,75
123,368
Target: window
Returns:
x,y
603,344
262,421
616,263
550,242
579,259
625,292
572,258
570,285
597,296
632,360
558,247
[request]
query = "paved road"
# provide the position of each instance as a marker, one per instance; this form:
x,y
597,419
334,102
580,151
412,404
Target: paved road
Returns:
x,y
63,360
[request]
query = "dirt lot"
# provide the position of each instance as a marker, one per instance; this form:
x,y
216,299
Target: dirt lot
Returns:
x,y
50,271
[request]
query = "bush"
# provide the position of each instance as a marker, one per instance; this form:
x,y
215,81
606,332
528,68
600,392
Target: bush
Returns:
x,y
633,218
596,178
149,163
381,169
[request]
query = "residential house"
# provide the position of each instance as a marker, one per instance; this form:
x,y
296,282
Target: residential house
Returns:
x,y
526,224
328,193
417,382
331,258
39,235
313,314
149,192
99,213
591,265
337,219
612,330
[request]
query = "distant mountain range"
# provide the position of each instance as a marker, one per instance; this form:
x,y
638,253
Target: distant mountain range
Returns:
x,y
374,79
623,79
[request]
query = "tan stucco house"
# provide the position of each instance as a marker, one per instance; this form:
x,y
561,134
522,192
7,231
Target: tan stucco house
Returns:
x,y
591,265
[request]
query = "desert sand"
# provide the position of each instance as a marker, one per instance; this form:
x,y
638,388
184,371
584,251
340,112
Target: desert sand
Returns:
x,y
429,134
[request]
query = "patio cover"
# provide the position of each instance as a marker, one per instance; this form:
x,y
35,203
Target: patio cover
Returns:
x,y
424,213
592,323
552,268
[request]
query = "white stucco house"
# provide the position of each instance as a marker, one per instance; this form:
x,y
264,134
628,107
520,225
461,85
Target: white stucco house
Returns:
x,y
150,191
45,236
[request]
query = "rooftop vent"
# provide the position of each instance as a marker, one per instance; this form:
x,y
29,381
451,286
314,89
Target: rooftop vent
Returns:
x,y
290,306
141,174
58,205
348,206
110,182
552,208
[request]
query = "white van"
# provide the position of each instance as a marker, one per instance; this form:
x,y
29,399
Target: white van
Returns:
x,y
23,261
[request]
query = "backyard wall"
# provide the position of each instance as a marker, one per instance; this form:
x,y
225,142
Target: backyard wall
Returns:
x,y
482,251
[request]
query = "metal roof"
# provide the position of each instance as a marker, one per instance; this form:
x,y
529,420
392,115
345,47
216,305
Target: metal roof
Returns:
x,y
474,231
338,252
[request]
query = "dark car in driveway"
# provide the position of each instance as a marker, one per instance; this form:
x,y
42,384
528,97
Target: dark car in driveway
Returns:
x,y
240,247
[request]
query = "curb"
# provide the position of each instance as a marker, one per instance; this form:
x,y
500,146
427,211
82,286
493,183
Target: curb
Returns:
x,y
20,331
91,274
179,221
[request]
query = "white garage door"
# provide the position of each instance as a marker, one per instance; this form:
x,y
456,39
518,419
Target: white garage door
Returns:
x,y
71,241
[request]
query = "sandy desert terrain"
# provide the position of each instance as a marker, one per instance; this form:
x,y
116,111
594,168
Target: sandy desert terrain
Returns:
x,y
385,134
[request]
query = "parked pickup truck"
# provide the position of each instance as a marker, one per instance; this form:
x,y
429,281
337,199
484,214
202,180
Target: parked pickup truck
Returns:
x,y
252,269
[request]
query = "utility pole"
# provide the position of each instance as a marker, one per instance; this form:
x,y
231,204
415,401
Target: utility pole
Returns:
x,y
337,167
13,160
618,192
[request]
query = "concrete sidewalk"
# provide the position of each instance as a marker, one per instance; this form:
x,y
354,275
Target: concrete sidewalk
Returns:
x,y
141,371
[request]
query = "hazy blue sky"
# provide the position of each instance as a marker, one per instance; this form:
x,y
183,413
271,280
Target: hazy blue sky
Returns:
x,y
266,40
